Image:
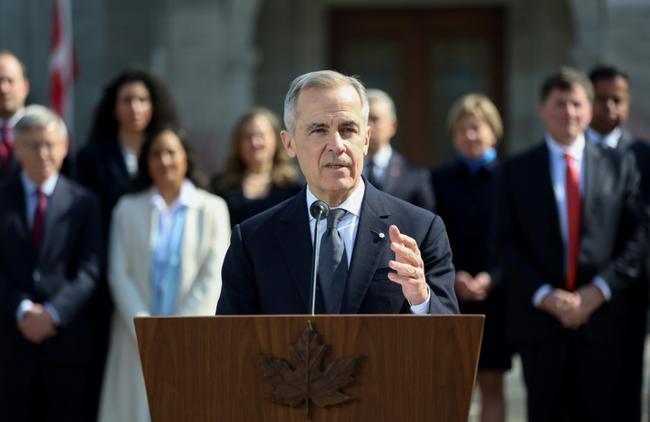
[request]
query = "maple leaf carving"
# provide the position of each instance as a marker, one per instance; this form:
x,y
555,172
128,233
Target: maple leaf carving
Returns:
x,y
306,382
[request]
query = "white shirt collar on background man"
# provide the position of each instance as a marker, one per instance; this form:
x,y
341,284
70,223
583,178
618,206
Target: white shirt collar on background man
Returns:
x,y
609,139
29,187
382,156
11,122
349,223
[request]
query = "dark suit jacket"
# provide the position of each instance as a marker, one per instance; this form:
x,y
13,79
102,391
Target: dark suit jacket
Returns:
x,y
64,273
408,182
267,267
101,168
530,243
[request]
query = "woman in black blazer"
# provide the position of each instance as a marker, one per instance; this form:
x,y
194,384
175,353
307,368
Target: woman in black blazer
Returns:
x,y
133,104
464,192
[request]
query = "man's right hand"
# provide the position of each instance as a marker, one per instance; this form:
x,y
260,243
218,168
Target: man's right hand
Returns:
x,y
565,307
469,289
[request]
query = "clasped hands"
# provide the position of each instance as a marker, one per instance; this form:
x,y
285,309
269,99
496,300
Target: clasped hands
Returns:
x,y
473,289
37,324
573,309
408,267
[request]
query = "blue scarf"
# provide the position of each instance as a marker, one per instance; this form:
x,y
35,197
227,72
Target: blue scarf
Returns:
x,y
474,165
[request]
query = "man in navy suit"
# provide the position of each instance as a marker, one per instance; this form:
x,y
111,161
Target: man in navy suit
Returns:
x,y
50,259
608,129
570,247
396,256
385,168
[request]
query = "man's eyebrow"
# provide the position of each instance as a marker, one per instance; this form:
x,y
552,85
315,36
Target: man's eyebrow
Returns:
x,y
350,123
314,126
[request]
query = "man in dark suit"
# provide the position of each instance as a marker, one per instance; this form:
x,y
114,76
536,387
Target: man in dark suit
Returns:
x,y
385,168
50,257
367,265
569,244
14,88
611,110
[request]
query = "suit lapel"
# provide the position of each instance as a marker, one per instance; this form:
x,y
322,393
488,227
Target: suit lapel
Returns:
x,y
368,249
22,227
295,242
545,189
393,171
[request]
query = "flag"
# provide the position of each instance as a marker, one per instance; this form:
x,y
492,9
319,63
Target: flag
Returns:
x,y
63,67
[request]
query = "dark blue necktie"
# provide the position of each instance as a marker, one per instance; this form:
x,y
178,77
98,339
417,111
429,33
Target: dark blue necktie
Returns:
x,y
333,264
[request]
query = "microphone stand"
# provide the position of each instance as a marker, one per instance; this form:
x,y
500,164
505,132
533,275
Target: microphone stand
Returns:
x,y
318,210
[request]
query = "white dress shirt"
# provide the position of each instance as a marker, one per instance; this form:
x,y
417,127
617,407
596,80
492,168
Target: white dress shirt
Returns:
x,y
558,179
31,202
380,159
609,139
348,227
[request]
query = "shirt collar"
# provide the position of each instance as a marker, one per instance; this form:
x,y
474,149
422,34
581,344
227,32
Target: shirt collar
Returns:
x,y
575,149
382,156
188,197
11,122
609,139
352,204
47,187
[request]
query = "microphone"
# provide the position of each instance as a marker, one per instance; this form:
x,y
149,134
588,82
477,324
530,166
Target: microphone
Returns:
x,y
318,210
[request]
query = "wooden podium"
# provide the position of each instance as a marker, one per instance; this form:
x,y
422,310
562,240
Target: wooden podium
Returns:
x,y
409,367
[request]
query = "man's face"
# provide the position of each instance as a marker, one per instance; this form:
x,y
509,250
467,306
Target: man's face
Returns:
x,y
41,152
566,113
330,140
13,86
382,124
611,104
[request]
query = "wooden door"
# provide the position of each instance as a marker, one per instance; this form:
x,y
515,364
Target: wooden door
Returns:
x,y
425,59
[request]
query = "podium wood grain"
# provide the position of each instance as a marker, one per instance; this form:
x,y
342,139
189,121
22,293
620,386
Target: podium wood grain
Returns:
x,y
413,368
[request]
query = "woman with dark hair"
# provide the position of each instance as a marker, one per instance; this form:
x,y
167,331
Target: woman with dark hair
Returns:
x,y
167,244
133,104
259,173
464,192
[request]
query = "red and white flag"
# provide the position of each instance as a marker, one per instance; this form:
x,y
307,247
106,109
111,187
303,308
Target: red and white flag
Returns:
x,y
62,62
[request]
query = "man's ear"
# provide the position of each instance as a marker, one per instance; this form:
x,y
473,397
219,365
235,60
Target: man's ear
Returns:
x,y
366,141
288,143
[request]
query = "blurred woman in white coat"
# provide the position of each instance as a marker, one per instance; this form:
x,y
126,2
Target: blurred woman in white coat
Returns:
x,y
167,244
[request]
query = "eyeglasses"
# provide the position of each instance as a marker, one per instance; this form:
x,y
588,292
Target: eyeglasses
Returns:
x,y
35,147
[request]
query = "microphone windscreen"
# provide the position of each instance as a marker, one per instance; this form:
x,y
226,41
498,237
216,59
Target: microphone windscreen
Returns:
x,y
319,209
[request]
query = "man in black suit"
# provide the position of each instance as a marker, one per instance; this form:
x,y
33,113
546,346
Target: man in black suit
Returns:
x,y
569,244
385,168
611,110
266,270
14,88
50,257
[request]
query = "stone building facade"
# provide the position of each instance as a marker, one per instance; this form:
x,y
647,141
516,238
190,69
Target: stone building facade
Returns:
x,y
222,56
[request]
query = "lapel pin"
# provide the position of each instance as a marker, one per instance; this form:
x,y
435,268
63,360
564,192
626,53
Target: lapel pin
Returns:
x,y
379,235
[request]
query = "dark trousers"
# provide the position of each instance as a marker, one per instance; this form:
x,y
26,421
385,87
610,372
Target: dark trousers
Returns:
x,y
570,378
41,391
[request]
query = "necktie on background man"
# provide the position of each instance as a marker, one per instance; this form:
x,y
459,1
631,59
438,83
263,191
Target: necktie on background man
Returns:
x,y
6,146
333,263
39,220
573,205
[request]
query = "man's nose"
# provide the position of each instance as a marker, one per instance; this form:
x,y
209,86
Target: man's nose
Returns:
x,y
336,142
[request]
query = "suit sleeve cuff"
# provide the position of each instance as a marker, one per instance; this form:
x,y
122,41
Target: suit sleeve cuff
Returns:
x,y
540,294
24,306
53,313
603,287
422,308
